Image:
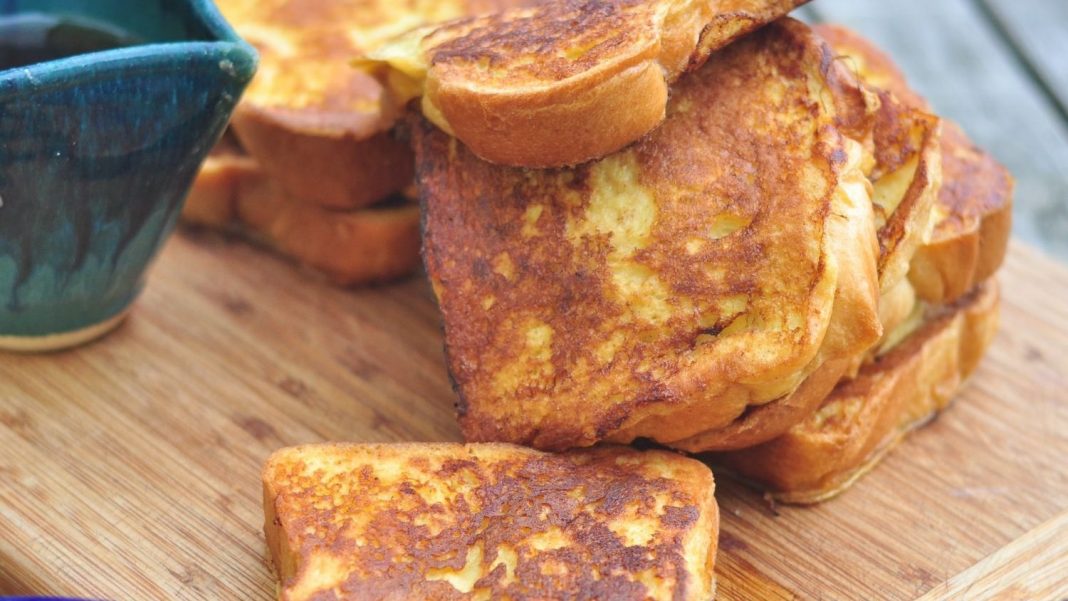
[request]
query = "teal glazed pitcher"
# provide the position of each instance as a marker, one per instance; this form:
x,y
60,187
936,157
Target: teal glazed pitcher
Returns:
x,y
107,109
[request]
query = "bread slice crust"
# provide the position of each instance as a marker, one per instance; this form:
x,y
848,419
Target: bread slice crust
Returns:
x,y
361,246
973,211
864,418
560,83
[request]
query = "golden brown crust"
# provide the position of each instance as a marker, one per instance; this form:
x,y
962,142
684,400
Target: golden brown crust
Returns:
x,y
970,239
876,107
619,273
973,210
447,521
906,173
561,83
761,423
212,198
870,64
338,172
373,244
863,418
360,246
317,125
907,179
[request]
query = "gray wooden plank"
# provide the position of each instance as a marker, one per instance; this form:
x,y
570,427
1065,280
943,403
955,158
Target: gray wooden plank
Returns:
x,y
806,13
954,56
1038,30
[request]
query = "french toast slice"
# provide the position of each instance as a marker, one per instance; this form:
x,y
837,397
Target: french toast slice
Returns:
x,y
865,417
906,176
911,380
662,290
973,211
973,222
560,83
360,246
450,521
955,255
320,128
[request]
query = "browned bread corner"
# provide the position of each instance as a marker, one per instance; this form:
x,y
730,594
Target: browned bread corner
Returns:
x,y
359,246
973,222
870,63
865,417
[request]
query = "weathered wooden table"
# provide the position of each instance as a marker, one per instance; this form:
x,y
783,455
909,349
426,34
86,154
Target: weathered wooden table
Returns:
x,y
1000,69
129,468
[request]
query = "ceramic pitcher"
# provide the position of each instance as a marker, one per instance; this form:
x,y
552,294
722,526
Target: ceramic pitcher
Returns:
x,y
107,109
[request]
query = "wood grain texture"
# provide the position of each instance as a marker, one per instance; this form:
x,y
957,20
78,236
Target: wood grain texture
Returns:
x,y
1030,567
129,469
954,56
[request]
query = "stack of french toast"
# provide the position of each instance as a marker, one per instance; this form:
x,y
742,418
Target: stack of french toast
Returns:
x,y
784,269
311,164
704,225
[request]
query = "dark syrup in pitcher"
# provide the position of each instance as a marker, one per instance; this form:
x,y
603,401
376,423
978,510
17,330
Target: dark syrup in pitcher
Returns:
x,y
30,38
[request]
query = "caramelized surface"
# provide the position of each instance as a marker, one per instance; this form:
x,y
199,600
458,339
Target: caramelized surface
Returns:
x,y
449,521
512,83
692,271
542,45
306,47
907,180
976,186
972,215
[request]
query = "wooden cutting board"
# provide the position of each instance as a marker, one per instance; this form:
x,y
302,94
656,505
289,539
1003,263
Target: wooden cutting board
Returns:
x,y
129,469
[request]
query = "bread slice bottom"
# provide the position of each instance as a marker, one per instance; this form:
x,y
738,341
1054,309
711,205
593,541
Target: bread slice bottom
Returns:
x,y
351,247
862,419
481,521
